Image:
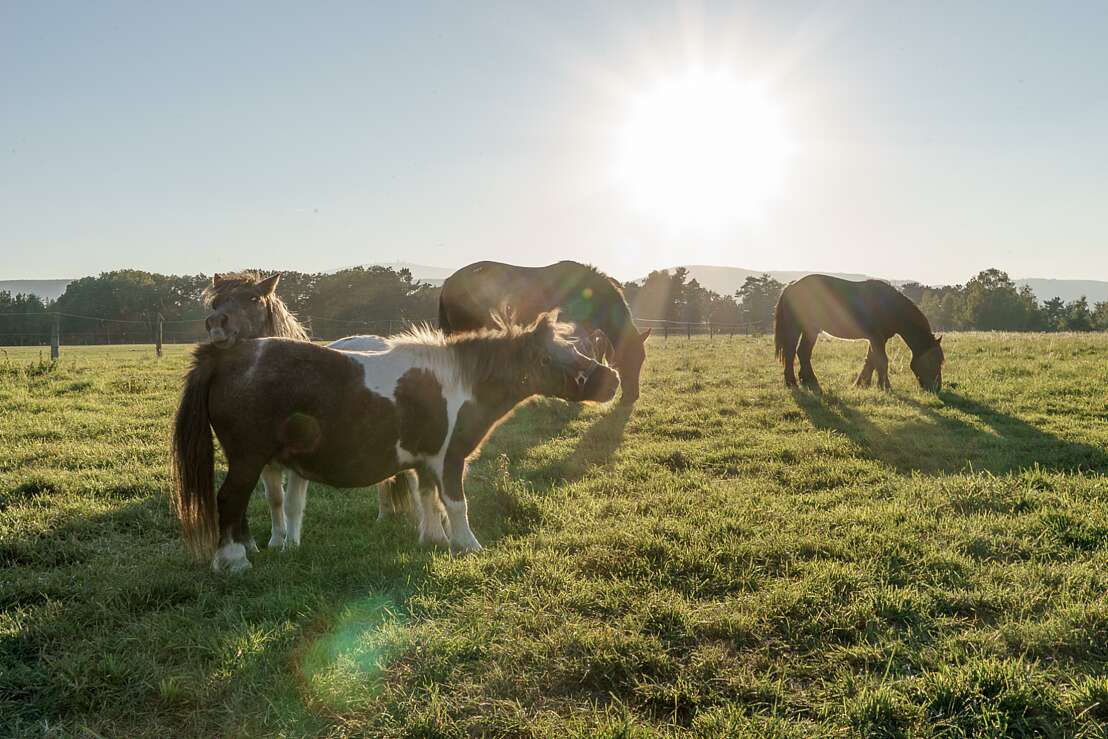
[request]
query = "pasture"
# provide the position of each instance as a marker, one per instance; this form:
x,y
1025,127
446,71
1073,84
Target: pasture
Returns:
x,y
730,557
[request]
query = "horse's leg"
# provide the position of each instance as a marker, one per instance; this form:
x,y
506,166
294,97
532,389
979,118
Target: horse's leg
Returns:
x,y
415,504
273,478
232,501
881,364
865,377
242,531
804,354
790,359
431,530
294,508
462,540
385,507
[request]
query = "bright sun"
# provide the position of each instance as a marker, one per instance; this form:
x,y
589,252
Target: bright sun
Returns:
x,y
701,151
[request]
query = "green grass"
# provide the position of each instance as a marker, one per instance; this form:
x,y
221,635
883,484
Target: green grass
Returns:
x,y
729,558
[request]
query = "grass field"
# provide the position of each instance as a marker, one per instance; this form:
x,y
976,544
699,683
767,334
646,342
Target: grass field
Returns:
x,y
730,558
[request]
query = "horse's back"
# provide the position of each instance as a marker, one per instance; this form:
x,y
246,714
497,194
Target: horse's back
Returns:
x,y
847,309
474,292
360,343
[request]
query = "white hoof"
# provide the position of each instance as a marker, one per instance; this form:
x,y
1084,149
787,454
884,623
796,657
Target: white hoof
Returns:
x,y
276,540
231,558
461,549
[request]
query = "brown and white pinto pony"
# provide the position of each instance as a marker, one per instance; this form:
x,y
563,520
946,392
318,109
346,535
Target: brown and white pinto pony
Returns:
x,y
351,419
870,309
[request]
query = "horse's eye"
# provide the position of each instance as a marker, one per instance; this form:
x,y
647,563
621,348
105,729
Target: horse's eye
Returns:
x,y
545,360
254,298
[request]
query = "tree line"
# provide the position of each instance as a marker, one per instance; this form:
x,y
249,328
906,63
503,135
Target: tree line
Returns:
x,y
367,299
127,303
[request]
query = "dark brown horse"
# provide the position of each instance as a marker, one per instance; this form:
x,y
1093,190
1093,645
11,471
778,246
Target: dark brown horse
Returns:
x,y
871,310
583,295
352,419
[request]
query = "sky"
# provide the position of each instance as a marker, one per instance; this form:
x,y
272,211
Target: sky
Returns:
x,y
926,140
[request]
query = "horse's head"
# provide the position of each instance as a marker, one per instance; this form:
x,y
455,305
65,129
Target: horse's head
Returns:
x,y
927,366
557,369
239,308
630,353
593,344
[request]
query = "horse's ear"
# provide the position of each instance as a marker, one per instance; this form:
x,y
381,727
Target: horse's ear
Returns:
x,y
268,285
644,335
216,279
939,339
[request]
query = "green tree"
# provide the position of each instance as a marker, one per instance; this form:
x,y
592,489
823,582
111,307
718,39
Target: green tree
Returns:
x,y
757,300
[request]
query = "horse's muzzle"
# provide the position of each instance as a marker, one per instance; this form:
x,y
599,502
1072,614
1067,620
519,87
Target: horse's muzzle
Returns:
x,y
599,385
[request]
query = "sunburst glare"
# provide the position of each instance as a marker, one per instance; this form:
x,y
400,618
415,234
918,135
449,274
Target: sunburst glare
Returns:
x,y
701,151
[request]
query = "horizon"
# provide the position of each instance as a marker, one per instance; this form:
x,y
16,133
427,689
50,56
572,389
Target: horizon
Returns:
x,y
900,142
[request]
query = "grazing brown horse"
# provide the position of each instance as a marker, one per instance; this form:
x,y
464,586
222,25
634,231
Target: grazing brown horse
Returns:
x,y
351,419
872,310
583,295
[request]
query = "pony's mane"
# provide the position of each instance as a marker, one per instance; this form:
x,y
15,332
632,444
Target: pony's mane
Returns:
x,y
282,322
483,355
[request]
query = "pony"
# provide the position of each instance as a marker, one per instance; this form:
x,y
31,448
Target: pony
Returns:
x,y
351,419
583,295
871,310
243,306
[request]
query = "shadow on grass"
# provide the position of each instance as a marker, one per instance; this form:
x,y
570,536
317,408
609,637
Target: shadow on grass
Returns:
x,y
595,448
938,442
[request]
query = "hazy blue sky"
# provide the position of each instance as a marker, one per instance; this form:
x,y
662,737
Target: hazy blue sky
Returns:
x,y
932,139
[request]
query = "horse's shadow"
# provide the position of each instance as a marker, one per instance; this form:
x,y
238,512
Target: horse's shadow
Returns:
x,y
937,441
594,448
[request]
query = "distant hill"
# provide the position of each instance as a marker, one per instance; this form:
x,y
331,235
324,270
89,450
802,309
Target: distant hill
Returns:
x,y
420,272
726,280
45,289
1095,290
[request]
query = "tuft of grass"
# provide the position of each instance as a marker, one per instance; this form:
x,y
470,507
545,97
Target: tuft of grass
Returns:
x,y
729,558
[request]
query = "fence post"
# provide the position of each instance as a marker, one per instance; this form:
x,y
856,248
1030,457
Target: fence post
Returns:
x,y
665,328
688,330
711,331
158,337
55,338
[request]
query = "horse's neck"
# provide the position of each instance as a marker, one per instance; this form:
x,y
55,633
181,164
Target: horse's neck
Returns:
x,y
917,337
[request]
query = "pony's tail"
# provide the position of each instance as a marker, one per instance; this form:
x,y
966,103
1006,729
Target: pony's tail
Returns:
x,y
783,329
400,493
194,457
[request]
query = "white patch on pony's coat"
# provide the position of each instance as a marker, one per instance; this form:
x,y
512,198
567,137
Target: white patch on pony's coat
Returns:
x,y
361,343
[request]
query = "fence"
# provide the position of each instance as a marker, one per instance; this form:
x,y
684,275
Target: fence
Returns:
x,y
159,331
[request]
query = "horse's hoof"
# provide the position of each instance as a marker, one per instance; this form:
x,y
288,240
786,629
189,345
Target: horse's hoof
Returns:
x,y
276,541
231,557
435,539
461,550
